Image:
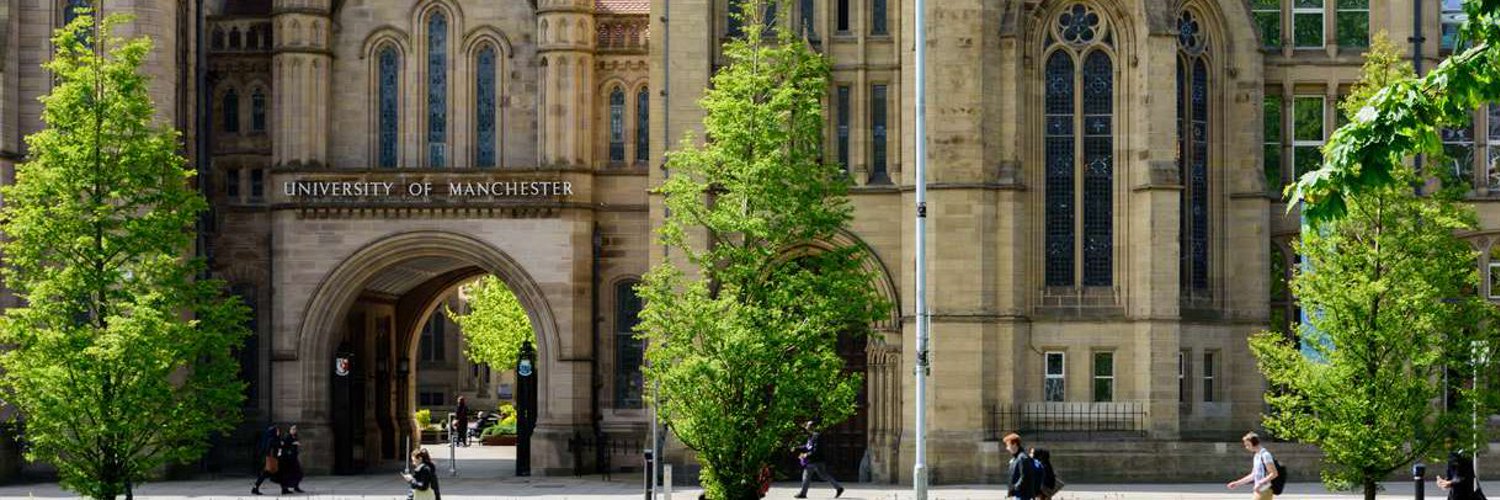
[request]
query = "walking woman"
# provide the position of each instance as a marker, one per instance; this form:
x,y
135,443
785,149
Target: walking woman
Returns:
x,y
291,466
423,480
269,453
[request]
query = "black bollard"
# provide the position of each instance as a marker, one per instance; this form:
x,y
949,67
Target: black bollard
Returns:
x,y
1419,479
650,469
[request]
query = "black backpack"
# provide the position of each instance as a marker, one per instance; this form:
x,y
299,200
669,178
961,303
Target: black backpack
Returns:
x,y
1031,478
1278,483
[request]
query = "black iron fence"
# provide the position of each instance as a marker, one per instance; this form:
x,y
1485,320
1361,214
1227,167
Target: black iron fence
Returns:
x,y
607,453
1069,421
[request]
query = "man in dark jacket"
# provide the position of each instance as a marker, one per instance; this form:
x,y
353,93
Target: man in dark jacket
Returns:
x,y
462,412
1459,478
1023,484
812,458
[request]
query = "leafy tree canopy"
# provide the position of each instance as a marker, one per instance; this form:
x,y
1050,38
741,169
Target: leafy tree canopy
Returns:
x,y
496,324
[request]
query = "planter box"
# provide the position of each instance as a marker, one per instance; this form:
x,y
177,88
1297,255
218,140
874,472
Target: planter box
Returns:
x,y
500,440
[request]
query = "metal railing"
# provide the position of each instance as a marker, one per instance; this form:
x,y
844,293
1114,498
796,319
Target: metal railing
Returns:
x,y
1058,421
605,449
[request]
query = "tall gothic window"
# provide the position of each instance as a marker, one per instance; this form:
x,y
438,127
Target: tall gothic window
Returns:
x,y
1079,150
437,90
877,17
1192,151
616,126
258,111
842,145
389,69
484,155
878,174
232,111
629,350
642,126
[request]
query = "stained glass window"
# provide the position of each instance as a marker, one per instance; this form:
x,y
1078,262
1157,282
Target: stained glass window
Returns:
x,y
1271,161
1192,130
437,89
485,113
1079,152
258,111
1353,19
1307,24
642,126
877,17
389,68
629,350
231,111
617,126
1060,168
878,173
1268,20
843,127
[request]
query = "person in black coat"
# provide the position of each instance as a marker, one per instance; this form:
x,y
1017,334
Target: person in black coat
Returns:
x,y
813,462
291,465
1459,478
423,480
462,427
269,453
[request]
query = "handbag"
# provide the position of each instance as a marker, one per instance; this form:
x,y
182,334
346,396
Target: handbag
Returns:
x,y
272,464
1050,492
426,494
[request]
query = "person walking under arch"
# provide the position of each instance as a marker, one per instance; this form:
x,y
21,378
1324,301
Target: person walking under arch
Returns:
x,y
814,462
291,465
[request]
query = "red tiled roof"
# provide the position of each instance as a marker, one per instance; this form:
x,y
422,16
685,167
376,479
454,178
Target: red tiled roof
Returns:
x,y
622,6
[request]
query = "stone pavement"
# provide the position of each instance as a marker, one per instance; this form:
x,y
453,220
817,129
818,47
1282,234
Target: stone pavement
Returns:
x,y
487,473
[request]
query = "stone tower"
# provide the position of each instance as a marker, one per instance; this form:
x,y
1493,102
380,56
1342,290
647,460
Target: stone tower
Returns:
x,y
300,76
565,31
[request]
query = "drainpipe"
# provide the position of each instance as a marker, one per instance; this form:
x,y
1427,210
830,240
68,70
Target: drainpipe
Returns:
x,y
595,384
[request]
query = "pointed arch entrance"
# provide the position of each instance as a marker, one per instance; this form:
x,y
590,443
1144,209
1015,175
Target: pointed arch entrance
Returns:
x,y
359,340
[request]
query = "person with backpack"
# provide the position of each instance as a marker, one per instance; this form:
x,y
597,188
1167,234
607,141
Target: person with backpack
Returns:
x,y
1263,469
1025,474
1049,484
811,455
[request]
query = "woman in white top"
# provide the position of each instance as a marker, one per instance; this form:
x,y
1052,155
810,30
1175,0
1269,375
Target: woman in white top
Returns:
x,y
1262,469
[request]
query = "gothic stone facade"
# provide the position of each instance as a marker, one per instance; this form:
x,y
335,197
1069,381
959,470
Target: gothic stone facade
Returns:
x,y
1104,227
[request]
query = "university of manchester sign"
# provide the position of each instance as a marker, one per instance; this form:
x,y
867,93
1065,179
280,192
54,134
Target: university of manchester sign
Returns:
x,y
454,189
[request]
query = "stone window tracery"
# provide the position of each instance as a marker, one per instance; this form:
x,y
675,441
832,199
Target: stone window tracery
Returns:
x,y
1078,132
617,126
1192,153
642,126
389,114
437,89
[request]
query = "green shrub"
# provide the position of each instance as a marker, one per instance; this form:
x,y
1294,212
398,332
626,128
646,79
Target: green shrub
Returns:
x,y
501,429
424,418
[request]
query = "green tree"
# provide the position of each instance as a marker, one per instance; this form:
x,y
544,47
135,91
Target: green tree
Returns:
x,y
1392,310
496,325
1402,120
741,326
119,360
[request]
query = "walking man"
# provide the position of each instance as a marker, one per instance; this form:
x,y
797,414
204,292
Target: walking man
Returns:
x,y
463,422
1262,469
813,462
1023,472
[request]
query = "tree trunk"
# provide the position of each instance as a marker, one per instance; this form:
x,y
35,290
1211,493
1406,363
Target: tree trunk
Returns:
x,y
1370,487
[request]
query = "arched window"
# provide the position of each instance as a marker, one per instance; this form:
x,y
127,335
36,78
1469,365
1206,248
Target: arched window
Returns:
x,y
1192,152
231,111
258,111
642,126
388,74
484,154
616,125
629,351
1079,132
437,89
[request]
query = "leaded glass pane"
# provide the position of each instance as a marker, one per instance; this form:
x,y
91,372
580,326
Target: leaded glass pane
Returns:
x,y
1059,170
1198,178
617,126
1307,30
1053,389
1307,118
1189,33
1098,170
231,111
843,127
1354,28
642,126
1078,25
258,111
629,350
437,89
388,106
877,17
485,114
878,135
1269,23
1307,159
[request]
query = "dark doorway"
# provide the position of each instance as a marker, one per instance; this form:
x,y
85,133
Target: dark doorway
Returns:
x,y
843,444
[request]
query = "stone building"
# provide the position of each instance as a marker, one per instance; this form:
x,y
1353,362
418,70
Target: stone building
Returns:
x,y
1102,239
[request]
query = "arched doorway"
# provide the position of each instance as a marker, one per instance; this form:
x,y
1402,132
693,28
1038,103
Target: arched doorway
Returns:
x,y
366,321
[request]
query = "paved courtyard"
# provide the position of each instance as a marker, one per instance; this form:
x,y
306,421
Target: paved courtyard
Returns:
x,y
487,473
